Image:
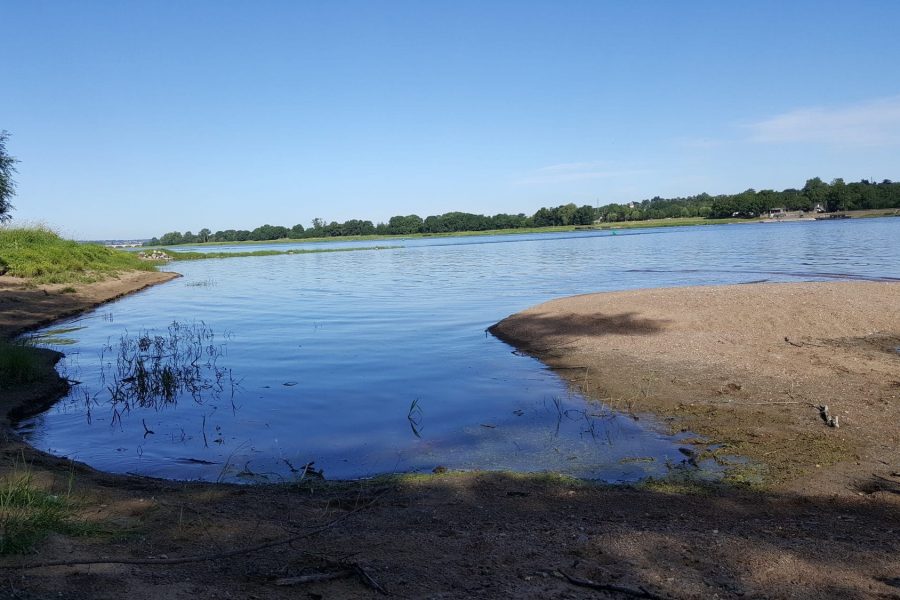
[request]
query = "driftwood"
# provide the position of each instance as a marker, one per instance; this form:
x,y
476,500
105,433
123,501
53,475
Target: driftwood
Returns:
x,y
151,561
170,561
801,344
313,578
609,587
340,570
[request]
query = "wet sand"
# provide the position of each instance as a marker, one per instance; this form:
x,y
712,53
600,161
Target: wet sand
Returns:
x,y
745,365
25,306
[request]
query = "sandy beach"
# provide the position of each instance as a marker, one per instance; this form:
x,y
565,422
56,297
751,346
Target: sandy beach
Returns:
x,y
25,306
815,514
748,366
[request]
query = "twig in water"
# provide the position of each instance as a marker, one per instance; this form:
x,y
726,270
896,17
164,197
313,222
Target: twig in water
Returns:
x,y
414,416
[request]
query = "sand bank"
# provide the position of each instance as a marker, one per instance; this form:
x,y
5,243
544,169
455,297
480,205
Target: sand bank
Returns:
x,y
745,365
25,306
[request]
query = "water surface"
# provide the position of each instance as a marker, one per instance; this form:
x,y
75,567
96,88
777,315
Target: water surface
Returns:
x,y
377,361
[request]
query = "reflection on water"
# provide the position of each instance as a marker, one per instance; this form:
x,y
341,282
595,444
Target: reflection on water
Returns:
x,y
352,364
58,336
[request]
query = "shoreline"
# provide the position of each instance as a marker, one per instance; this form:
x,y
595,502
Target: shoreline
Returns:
x,y
744,367
25,307
603,226
615,347
490,534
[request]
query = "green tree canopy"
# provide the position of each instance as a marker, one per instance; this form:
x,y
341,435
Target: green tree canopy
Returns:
x,y
7,185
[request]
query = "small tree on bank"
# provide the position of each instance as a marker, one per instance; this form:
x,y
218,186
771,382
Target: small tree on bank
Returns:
x,y
7,185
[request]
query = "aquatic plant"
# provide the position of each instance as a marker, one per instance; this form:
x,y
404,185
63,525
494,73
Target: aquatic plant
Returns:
x,y
153,370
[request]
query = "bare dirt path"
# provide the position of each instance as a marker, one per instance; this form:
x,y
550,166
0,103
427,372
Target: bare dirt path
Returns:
x,y
712,359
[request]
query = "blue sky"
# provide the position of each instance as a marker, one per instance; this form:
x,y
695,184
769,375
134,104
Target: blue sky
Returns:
x,y
131,119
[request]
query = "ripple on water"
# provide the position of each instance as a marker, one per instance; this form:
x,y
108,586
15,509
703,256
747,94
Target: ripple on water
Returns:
x,y
360,337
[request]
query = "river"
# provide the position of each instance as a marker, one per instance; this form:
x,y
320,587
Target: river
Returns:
x,y
377,361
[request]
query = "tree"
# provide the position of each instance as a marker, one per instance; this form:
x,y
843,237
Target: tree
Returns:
x,y
404,225
7,185
544,217
583,216
203,235
171,238
816,191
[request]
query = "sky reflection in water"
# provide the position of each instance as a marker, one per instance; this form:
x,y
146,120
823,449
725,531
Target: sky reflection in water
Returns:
x,y
326,354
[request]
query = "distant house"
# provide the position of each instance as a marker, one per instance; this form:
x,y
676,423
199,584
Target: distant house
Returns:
x,y
777,213
819,208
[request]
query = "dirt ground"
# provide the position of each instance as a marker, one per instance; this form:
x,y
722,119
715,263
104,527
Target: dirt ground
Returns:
x,y
25,306
816,513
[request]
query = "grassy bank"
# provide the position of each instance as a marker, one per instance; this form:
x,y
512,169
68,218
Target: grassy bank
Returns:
x,y
18,364
525,230
389,238
39,254
29,512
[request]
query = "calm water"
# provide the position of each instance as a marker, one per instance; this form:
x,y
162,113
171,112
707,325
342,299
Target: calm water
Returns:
x,y
377,361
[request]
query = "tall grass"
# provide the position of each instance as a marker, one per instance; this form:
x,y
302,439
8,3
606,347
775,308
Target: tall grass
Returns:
x,y
40,254
18,364
28,512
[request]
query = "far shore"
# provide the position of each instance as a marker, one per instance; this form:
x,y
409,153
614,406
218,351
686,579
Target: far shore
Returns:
x,y
815,511
650,223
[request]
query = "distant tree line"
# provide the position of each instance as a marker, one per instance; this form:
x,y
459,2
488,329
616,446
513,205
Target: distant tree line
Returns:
x,y
398,225
816,194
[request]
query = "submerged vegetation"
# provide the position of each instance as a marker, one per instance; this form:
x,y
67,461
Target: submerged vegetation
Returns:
x,y
43,256
815,195
153,370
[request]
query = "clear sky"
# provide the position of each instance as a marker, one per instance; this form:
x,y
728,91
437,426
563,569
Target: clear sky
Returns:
x,y
132,119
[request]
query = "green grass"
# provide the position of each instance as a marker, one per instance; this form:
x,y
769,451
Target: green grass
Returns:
x,y
28,512
41,255
18,364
